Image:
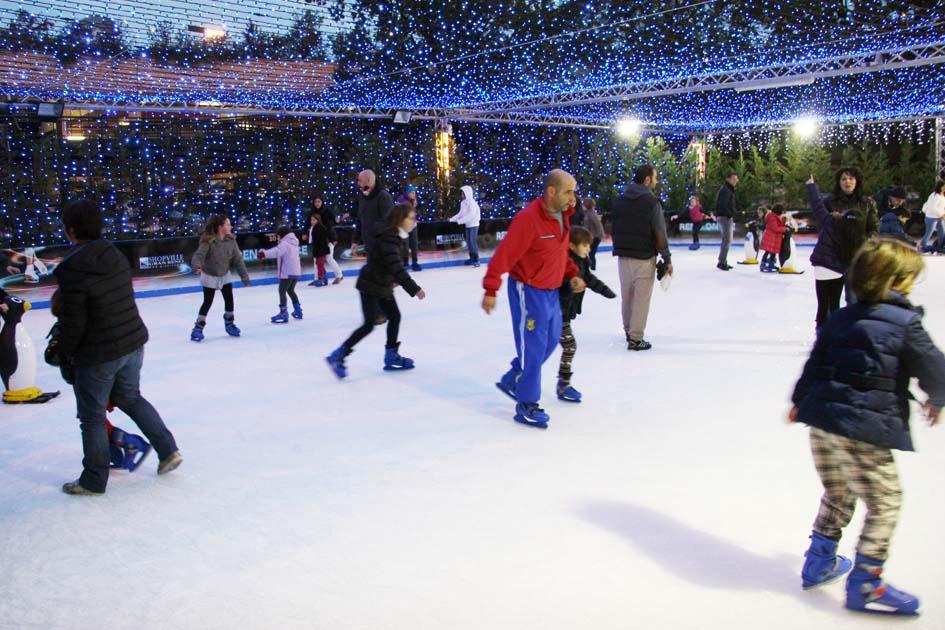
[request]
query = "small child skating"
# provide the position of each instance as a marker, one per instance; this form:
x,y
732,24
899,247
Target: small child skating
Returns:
x,y
854,394
384,271
317,239
580,248
775,227
892,224
289,266
217,257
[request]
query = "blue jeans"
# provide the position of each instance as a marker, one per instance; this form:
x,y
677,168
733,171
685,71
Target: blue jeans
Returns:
x,y
536,326
472,242
937,226
117,381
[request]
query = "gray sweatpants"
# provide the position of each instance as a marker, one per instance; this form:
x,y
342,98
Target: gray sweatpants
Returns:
x,y
637,278
726,230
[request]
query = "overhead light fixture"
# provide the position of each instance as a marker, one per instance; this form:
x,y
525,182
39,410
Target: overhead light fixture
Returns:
x,y
775,83
402,117
806,126
209,32
626,128
75,137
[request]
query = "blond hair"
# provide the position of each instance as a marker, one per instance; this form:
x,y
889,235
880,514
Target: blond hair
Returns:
x,y
883,265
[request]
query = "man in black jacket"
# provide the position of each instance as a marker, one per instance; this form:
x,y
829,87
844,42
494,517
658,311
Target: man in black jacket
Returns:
x,y
374,205
103,338
639,233
725,211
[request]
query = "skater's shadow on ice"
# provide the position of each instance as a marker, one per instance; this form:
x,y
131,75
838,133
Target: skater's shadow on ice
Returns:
x,y
699,557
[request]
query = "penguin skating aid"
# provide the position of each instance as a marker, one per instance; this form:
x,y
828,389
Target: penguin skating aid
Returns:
x,y
18,357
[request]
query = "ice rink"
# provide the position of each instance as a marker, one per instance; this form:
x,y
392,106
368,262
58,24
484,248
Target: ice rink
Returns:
x,y
675,496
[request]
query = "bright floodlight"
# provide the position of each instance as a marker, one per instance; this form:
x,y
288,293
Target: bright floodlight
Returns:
x,y
628,127
806,127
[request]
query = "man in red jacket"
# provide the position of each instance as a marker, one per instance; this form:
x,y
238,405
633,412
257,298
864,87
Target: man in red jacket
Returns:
x,y
535,255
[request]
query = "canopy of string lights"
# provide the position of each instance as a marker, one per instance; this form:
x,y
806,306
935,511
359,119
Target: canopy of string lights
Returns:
x,y
682,67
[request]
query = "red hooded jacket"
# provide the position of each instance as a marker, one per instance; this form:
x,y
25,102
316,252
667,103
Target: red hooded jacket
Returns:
x,y
534,251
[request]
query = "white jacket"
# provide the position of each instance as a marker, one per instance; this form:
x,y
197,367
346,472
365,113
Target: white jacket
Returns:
x,y
934,207
469,213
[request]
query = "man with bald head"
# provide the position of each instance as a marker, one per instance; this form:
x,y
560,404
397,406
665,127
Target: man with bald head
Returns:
x,y
535,255
374,204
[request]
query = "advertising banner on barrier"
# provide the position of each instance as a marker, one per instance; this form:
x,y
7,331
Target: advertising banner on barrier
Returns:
x,y
164,263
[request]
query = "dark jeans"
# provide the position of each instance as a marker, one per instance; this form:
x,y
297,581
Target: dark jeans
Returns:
x,y
208,294
287,286
828,299
592,256
117,381
696,227
413,241
472,242
372,306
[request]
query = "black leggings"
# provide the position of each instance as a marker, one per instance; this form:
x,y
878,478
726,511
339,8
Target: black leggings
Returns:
x,y
768,257
828,298
592,256
372,305
287,286
226,290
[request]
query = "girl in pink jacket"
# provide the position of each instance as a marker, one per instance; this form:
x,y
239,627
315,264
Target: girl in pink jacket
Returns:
x,y
289,265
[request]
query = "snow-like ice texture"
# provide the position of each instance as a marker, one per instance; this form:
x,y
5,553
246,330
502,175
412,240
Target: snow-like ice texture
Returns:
x,y
675,496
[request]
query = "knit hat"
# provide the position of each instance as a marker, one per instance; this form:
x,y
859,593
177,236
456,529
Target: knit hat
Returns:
x,y
898,192
409,189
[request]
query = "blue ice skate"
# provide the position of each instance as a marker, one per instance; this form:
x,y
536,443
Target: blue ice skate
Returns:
x,y
867,592
336,361
282,317
127,450
823,565
197,333
532,415
230,326
393,360
568,393
508,383
297,310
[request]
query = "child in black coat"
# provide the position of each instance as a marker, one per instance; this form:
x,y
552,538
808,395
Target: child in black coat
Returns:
x,y
580,246
383,271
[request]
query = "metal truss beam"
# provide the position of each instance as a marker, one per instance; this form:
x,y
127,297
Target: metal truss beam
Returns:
x,y
765,77
940,148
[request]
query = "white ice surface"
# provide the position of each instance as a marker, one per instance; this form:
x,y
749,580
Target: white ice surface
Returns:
x,y
675,496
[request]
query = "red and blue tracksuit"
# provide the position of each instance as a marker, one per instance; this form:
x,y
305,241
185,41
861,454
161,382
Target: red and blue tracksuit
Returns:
x,y
535,255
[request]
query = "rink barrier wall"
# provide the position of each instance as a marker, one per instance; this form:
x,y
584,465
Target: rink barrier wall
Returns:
x,y
459,262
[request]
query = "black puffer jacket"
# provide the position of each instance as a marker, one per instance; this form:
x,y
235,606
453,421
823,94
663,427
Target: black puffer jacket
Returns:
x,y
856,381
385,267
638,228
98,314
725,202
570,301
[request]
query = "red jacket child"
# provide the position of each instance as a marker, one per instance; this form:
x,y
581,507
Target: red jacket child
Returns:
x,y
775,227
534,251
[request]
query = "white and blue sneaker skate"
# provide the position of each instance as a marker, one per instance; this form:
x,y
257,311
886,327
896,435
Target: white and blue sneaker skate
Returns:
x,y
568,393
532,415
